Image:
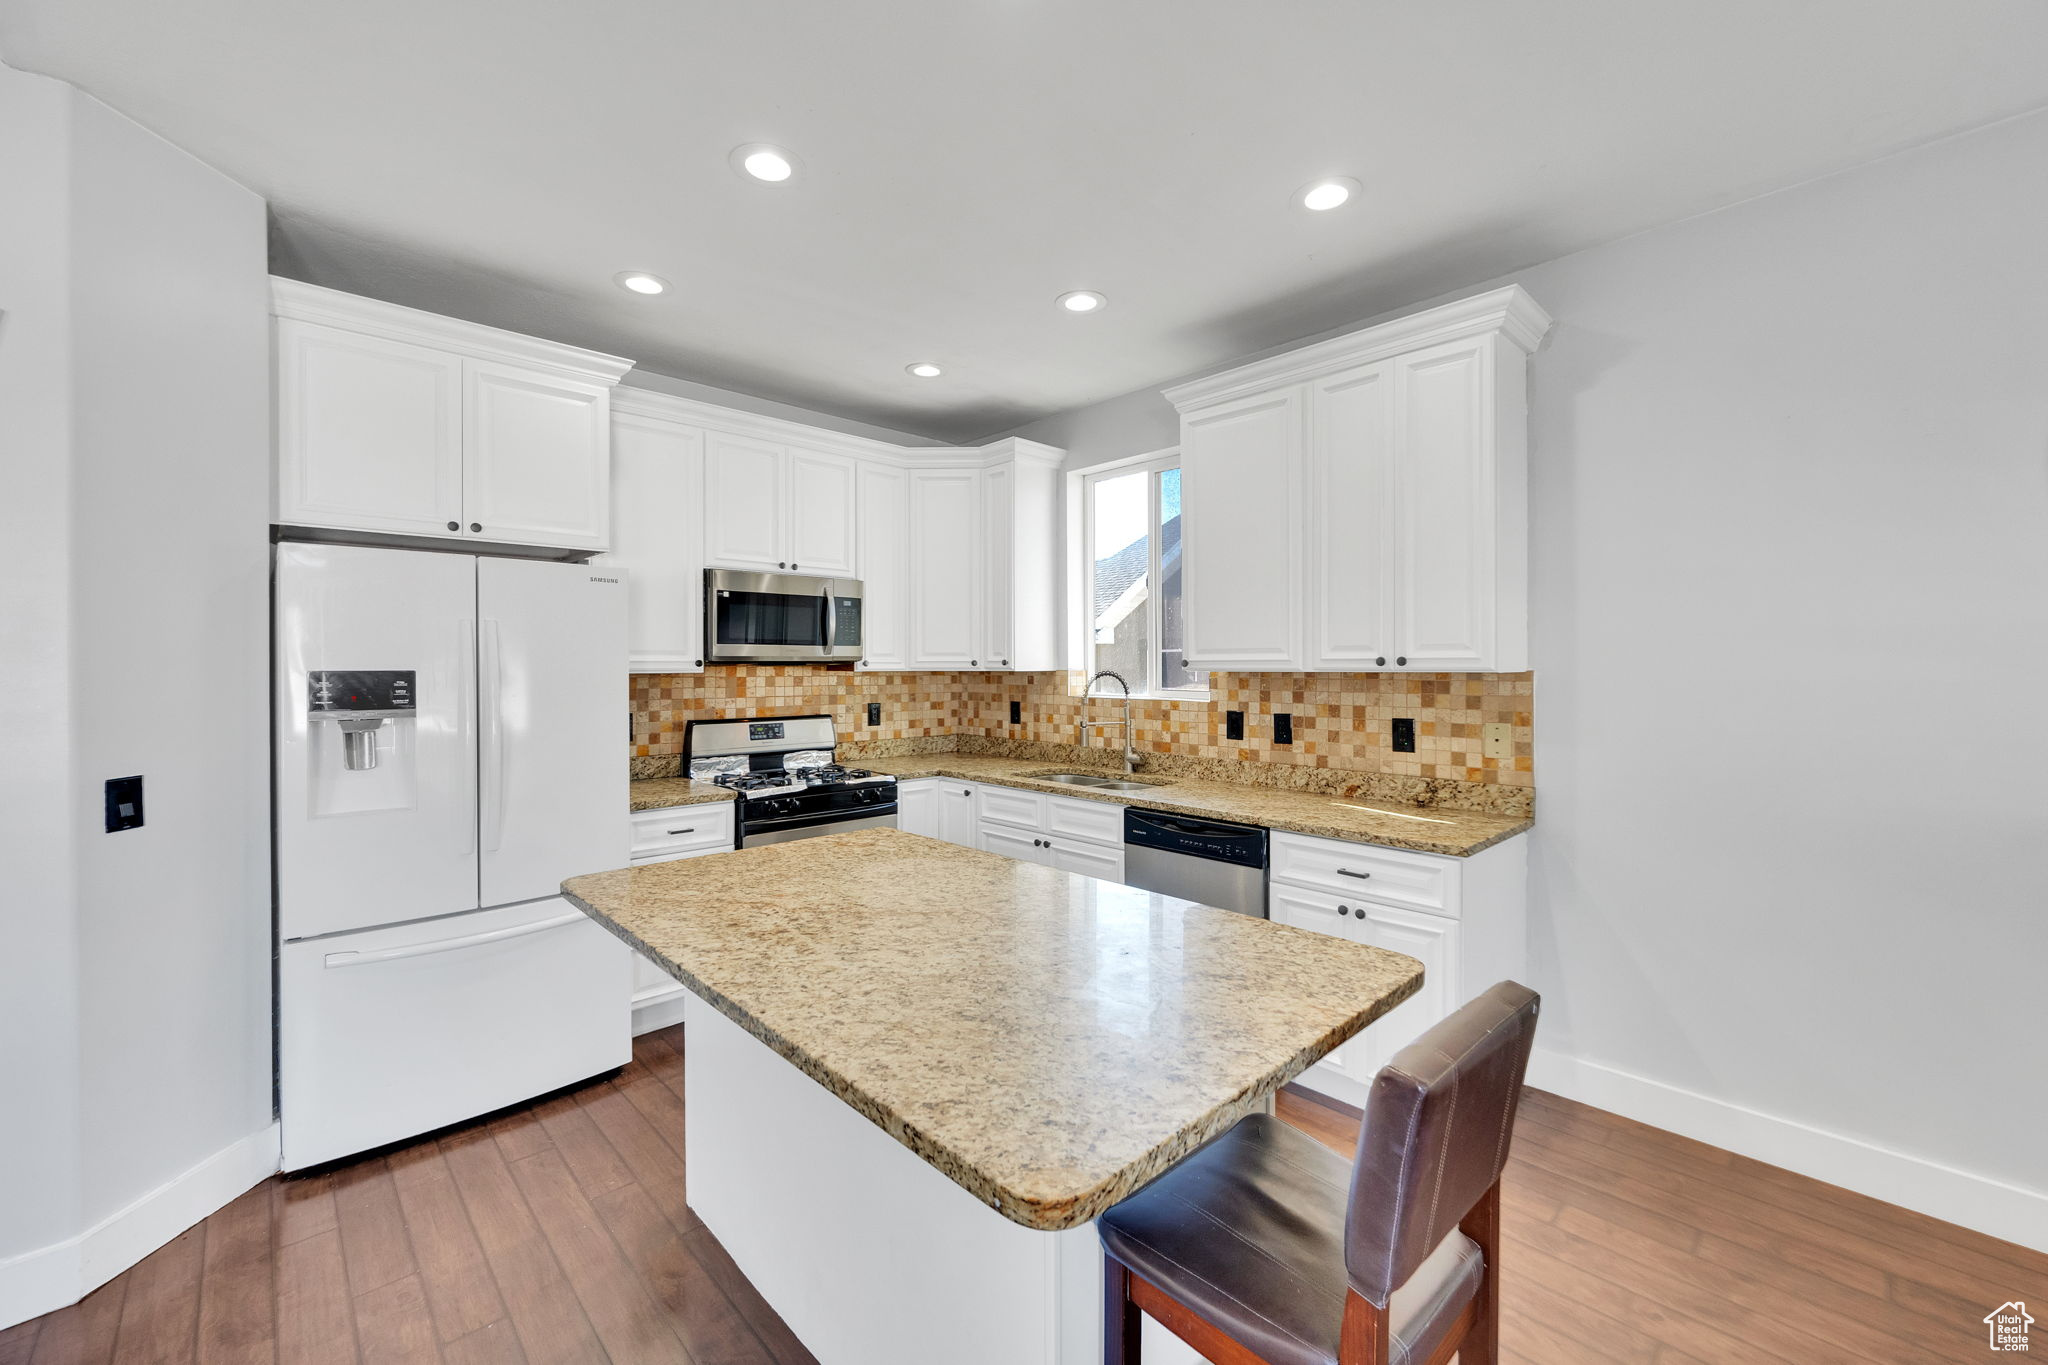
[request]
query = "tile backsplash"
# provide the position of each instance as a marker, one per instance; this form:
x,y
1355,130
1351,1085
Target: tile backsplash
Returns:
x,y
1341,720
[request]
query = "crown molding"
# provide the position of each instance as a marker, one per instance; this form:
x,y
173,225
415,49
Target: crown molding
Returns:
x,y
301,302
1508,311
630,402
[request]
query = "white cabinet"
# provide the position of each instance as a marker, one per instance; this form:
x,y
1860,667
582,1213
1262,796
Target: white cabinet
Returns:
x,y
1362,503
658,535
535,458
1243,477
982,561
775,509
395,421
1465,919
369,432
1020,571
1058,831
945,568
956,812
664,835
884,540
917,807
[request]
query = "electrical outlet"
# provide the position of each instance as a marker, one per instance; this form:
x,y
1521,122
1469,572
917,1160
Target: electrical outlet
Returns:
x,y
1016,713
1283,728
1404,735
874,713
1233,725
1497,740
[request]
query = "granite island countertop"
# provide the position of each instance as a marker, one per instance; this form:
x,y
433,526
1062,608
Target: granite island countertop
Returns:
x,y
1047,1041
1424,829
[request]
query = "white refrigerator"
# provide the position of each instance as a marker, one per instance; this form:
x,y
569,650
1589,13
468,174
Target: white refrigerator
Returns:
x,y
448,733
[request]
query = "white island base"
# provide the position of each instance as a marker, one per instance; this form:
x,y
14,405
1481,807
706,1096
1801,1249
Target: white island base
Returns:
x,y
871,1256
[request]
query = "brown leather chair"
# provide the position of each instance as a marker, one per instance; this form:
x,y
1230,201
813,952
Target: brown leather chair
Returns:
x,y
1265,1248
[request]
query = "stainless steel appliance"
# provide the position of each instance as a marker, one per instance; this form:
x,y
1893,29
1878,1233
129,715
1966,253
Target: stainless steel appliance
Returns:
x,y
784,618
783,774
1214,862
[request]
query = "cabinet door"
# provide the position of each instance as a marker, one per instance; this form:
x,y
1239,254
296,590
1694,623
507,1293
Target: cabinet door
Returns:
x,y
945,576
956,813
822,514
1432,939
1444,530
1243,470
1021,844
998,566
1103,861
917,808
884,566
658,541
746,494
536,458
1317,911
1351,520
369,432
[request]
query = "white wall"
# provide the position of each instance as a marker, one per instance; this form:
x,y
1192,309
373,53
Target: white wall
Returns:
x,y
1790,543
140,1048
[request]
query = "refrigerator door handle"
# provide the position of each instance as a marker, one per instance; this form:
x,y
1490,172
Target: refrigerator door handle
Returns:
x,y
491,748
465,727
443,945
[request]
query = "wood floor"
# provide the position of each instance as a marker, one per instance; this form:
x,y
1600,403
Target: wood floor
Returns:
x,y
558,1233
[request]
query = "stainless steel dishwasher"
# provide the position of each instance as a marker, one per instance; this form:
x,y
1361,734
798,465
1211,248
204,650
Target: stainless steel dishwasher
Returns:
x,y
1214,862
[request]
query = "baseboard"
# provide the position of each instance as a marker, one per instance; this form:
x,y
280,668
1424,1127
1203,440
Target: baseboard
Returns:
x,y
657,1009
1994,1207
48,1278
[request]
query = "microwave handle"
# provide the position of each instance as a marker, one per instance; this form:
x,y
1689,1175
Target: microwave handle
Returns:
x,y
831,615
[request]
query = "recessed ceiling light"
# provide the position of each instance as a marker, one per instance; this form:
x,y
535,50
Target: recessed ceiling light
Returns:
x,y
763,162
640,282
1082,301
1328,193
924,369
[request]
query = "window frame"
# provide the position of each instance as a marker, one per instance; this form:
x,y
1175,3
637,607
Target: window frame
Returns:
x,y
1081,568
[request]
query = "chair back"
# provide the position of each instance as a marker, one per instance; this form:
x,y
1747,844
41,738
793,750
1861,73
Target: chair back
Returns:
x,y
1435,1136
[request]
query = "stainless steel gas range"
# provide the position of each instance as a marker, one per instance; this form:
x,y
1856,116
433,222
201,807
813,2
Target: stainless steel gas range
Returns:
x,y
784,776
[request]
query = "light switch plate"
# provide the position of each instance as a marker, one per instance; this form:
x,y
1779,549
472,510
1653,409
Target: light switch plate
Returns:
x,y
1497,740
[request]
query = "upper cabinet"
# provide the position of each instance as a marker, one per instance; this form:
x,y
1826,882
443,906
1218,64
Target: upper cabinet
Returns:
x,y
1362,504
982,573
778,509
397,421
658,531
884,497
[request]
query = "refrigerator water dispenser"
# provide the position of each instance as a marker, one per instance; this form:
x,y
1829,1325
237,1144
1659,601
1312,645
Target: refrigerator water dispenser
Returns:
x,y
359,703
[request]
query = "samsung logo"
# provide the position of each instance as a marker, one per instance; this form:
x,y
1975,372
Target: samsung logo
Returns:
x,y
595,579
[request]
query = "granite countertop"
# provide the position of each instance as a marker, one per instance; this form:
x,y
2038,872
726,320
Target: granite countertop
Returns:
x,y
1425,829
655,793
1047,1041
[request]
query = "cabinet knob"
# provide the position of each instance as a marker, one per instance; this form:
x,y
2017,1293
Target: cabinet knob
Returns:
x,y
1343,909
476,526
455,526
974,663
1006,663
1402,660
1381,661
780,565
700,663
794,565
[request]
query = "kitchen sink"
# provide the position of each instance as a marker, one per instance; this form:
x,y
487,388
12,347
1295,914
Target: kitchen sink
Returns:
x,y
1095,781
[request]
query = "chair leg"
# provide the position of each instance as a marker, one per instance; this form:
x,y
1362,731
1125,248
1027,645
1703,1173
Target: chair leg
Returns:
x,y
1482,1342
1120,1317
1363,1338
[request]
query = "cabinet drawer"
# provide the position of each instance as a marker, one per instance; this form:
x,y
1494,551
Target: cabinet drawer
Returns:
x,y
1093,820
680,829
1008,806
1392,877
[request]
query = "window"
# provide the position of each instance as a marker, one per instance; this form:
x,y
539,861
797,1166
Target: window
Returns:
x,y
1131,576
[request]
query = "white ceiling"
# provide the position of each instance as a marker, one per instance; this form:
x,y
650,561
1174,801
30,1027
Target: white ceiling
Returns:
x,y
967,160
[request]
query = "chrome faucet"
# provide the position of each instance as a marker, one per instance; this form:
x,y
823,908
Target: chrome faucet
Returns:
x,y
1130,749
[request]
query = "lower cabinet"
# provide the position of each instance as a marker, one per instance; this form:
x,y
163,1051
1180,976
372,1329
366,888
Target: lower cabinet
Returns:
x,y
917,806
956,812
1473,935
1074,836
664,835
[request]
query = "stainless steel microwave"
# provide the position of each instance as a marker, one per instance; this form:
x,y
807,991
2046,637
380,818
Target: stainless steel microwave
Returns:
x,y
780,618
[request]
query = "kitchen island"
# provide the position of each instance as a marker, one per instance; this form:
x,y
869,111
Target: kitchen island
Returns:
x,y
873,1011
